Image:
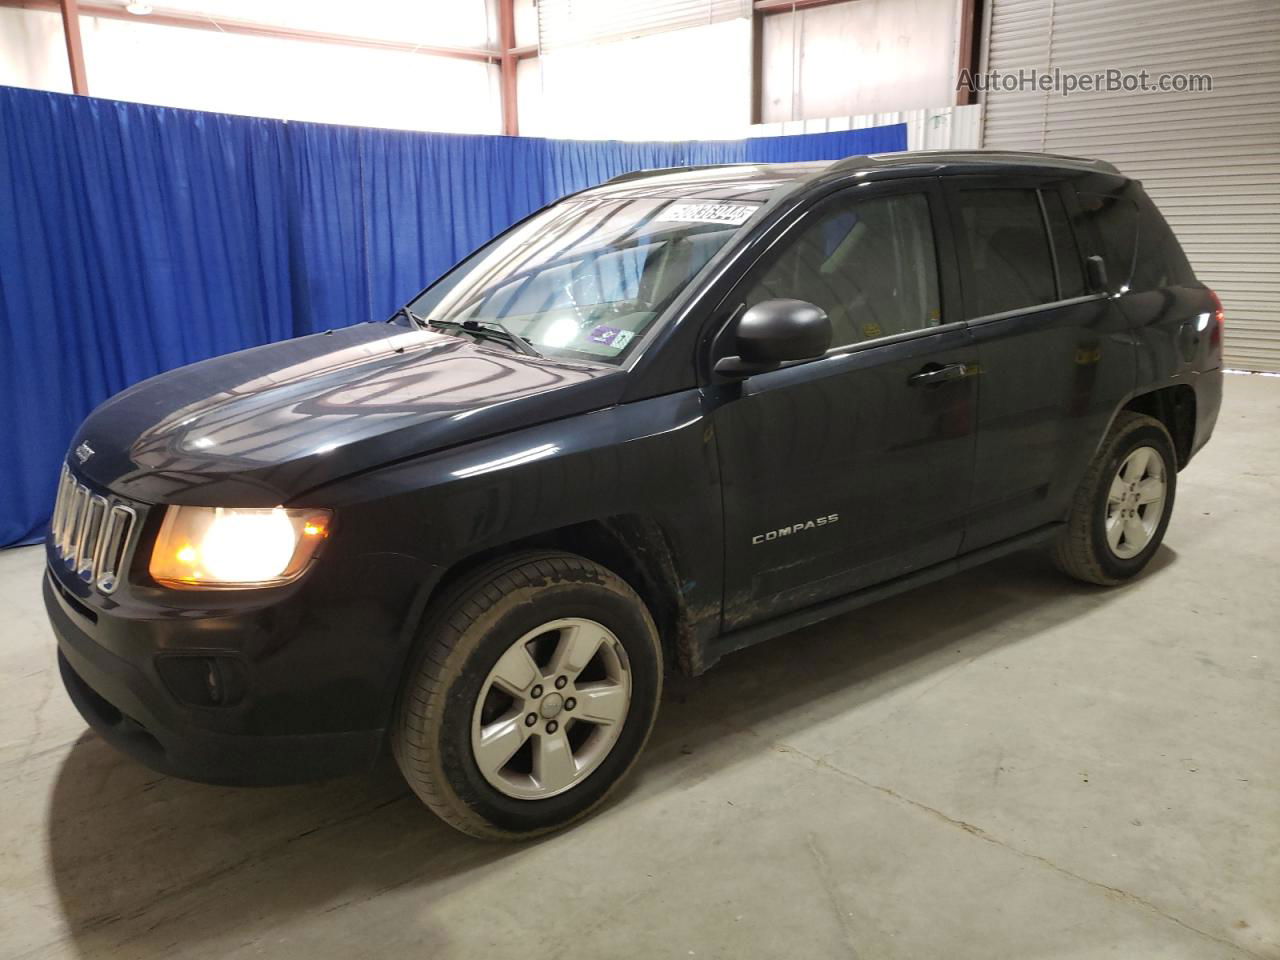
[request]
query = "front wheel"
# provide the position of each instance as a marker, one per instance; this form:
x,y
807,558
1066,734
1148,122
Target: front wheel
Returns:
x,y
1123,504
532,695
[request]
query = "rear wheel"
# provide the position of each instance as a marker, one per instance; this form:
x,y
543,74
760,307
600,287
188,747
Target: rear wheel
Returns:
x,y
534,691
1123,504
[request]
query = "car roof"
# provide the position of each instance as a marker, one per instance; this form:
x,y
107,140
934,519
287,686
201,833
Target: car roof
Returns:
x,y
724,181
756,181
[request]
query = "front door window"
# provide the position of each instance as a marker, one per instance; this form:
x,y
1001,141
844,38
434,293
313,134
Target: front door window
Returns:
x,y
869,263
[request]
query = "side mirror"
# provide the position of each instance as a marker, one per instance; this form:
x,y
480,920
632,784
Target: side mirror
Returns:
x,y
1096,270
773,332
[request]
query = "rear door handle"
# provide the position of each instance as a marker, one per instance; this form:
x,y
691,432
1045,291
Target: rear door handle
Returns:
x,y
932,374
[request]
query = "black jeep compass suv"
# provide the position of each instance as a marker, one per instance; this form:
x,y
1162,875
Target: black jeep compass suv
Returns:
x,y
653,423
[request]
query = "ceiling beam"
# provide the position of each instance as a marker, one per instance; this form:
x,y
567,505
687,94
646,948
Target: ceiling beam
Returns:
x,y
75,51
177,18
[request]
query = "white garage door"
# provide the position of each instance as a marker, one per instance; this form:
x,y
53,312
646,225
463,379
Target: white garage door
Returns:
x,y
1211,160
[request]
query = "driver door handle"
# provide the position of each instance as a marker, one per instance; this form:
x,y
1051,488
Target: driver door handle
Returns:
x,y
932,374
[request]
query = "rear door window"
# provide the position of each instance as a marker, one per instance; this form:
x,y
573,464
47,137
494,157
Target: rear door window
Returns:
x,y
1065,252
1010,264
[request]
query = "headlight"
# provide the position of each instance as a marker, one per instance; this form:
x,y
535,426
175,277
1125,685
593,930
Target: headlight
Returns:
x,y
236,547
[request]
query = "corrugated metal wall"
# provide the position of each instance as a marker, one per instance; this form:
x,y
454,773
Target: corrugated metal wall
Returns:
x,y
1211,160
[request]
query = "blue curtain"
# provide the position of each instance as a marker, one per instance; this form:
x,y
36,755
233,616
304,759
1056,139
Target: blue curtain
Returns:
x,y
134,239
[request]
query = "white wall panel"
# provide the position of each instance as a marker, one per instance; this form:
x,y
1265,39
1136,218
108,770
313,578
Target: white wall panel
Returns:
x,y
32,53
1211,160
933,128
526,23
859,57
445,23
256,76
677,84
569,23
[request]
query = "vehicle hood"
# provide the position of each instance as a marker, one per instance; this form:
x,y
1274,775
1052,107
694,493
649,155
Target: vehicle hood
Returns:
x,y
265,425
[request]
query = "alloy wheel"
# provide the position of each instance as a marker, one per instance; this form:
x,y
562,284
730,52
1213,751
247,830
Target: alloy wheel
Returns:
x,y
1135,502
551,709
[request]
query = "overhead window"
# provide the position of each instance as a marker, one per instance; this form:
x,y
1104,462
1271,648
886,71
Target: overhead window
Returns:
x,y
1009,258
870,264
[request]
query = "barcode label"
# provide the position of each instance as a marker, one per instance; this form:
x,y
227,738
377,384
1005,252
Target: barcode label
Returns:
x,y
731,213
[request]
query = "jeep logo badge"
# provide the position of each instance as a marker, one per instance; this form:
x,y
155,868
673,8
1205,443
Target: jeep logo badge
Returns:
x,y
84,452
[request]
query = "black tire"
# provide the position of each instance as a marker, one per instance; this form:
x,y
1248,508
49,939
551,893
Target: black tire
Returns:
x,y
475,623
1082,550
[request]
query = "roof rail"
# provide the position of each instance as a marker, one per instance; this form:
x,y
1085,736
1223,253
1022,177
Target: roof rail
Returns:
x,y
654,171
994,156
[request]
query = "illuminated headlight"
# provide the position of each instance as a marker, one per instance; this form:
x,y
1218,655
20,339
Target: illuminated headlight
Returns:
x,y
236,547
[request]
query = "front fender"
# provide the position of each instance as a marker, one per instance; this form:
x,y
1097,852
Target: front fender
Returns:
x,y
654,459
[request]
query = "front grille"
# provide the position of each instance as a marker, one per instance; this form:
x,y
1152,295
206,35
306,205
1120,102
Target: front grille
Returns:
x,y
90,532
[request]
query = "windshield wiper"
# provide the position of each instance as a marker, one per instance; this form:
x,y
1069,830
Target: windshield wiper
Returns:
x,y
413,318
492,329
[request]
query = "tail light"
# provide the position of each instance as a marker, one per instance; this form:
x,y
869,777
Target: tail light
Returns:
x,y
1219,321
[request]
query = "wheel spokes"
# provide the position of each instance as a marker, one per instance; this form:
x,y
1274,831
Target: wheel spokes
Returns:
x,y
1135,534
1115,528
499,742
536,731
515,671
1136,467
553,763
1118,489
602,703
578,644
1150,490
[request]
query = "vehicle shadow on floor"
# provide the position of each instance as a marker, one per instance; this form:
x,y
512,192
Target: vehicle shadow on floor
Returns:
x,y
144,863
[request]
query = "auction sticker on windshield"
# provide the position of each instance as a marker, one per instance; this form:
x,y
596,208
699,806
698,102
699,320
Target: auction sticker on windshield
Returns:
x,y
732,213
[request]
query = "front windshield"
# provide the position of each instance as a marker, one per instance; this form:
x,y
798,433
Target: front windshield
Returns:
x,y
586,277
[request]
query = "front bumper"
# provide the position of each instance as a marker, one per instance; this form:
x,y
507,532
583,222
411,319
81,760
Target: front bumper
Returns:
x,y
126,702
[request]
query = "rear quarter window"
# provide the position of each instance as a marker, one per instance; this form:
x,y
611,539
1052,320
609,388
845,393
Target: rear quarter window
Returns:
x,y
1114,221
1160,260
1140,250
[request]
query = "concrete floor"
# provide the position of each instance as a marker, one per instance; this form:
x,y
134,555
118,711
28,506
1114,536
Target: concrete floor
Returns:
x,y
1005,764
